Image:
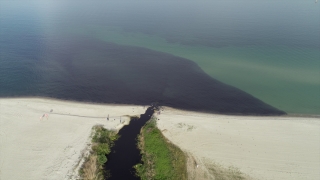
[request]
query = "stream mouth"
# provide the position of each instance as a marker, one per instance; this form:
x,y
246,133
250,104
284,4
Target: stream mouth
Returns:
x,y
125,153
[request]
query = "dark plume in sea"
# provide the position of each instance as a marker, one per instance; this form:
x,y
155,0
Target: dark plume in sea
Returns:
x,y
96,71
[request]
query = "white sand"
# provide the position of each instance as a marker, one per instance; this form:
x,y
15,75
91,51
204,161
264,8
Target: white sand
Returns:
x,y
50,149
285,148
279,148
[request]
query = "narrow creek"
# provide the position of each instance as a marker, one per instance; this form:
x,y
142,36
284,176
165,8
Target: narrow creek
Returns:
x,y
125,154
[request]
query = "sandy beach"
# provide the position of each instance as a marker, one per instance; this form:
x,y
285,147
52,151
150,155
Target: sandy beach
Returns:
x,y
265,148
35,147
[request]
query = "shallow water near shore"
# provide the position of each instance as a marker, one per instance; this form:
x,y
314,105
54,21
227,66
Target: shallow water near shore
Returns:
x,y
270,50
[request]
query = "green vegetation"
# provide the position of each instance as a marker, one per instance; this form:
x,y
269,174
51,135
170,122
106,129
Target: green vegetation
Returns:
x,y
161,159
102,141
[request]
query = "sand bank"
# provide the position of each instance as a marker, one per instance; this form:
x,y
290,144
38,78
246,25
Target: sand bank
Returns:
x,y
285,148
51,148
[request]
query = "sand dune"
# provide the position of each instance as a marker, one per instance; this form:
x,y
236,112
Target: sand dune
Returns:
x,y
285,148
31,148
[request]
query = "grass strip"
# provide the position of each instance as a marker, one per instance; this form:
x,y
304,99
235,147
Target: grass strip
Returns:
x,y
102,141
161,160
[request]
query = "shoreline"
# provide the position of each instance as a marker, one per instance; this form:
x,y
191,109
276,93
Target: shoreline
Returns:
x,y
123,104
204,113
68,101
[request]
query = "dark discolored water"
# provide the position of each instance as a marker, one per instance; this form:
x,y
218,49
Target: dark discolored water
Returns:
x,y
125,154
91,70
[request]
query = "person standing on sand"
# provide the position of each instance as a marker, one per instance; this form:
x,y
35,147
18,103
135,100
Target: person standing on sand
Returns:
x,y
44,115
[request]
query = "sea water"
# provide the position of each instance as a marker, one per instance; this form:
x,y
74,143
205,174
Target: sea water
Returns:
x,y
269,49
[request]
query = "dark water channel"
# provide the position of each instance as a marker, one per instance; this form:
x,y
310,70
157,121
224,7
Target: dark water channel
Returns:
x,y
125,154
